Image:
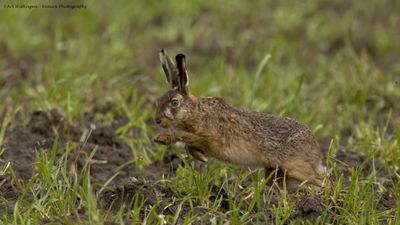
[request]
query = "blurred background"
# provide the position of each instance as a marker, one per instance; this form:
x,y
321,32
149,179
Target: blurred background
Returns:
x,y
332,64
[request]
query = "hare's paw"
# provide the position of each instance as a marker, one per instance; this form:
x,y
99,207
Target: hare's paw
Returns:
x,y
163,138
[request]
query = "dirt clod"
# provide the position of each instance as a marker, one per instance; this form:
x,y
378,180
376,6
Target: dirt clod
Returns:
x,y
309,207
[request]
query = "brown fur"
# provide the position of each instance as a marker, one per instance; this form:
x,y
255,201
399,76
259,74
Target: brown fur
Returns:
x,y
211,128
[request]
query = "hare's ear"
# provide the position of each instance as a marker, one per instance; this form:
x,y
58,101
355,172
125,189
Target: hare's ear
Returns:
x,y
169,68
182,73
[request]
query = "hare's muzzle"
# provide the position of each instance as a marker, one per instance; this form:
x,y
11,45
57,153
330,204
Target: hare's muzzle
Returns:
x,y
164,123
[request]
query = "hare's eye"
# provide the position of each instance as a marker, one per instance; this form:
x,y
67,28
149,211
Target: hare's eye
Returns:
x,y
174,102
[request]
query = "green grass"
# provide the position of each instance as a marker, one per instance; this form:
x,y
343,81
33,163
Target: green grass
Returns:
x,y
330,64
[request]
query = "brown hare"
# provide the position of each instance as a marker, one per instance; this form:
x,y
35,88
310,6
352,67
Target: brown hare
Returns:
x,y
211,128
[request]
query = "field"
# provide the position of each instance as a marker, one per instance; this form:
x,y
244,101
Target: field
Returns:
x,y
77,94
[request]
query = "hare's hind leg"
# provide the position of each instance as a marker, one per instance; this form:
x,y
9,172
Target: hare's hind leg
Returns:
x,y
291,183
302,171
196,153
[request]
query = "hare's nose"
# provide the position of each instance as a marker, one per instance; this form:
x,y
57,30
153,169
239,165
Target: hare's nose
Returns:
x,y
158,121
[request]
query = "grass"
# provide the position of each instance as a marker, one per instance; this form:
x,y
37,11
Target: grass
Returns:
x,y
332,65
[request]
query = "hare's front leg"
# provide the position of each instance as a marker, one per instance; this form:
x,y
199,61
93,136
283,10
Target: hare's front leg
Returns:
x,y
196,153
165,138
171,137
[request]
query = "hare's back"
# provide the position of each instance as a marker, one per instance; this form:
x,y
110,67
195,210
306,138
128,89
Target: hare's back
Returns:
x,y
231,120
279,127
292,137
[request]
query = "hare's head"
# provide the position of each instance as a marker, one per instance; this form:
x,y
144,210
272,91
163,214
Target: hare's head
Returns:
x,y
176,106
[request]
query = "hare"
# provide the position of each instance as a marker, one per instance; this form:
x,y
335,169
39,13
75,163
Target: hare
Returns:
x,y
211,128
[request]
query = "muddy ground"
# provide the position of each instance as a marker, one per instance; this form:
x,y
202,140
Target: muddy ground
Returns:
x,y
22,142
